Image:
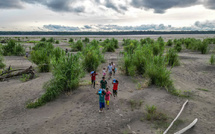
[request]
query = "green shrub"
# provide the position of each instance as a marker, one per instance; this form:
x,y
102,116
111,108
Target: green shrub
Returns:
x,y
126,42
130,48
172,57
71,40
67,72
2,65
94,43
92,57
109,47
57,42
212,59
12,48
25,77
41,57
169,43
178,46
86,40
51,40
114,42
203,47
43,39
146,41
158,73
78,46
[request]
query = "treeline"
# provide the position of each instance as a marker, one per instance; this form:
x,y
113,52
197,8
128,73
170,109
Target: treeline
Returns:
x,y
104,33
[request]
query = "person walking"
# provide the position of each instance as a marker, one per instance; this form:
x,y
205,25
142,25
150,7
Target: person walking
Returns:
x,y
103,83
93,78
115,87
109,69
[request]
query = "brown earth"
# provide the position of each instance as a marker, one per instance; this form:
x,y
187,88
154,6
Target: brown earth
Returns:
x,y
77,113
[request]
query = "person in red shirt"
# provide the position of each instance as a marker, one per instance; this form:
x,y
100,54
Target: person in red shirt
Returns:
x,y
115,87
93,78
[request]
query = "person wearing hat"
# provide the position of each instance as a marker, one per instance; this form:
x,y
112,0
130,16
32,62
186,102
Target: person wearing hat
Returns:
x,y
115,87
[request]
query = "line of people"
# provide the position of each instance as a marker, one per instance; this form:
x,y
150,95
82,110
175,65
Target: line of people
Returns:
x,y
103,92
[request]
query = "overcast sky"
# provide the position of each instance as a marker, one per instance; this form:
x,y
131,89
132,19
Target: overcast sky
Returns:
x,y
106,15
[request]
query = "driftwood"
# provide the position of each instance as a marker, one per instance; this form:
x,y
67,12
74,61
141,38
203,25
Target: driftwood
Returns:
x,y
175,118
188,127
9,74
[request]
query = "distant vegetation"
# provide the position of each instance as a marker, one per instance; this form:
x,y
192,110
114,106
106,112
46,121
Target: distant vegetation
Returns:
x,y
13,48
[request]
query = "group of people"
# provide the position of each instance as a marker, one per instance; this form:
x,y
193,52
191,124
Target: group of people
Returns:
x,y
103,92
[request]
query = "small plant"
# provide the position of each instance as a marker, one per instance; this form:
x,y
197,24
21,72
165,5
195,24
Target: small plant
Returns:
x,y
43,39
203,47
109,48
202,89
135,104
139,86
25,77
212,59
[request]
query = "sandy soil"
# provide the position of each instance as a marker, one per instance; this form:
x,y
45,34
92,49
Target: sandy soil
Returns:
x,y
78,112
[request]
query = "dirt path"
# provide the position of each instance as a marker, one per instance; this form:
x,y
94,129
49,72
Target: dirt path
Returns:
x,y
78,112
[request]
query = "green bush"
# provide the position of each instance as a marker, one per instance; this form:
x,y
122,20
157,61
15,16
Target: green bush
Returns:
x,y
51,40
2,65
71,40
43,39
92,57
41,57
143,61
86,40
67,72
57,42
109,47
115,43
212,59
172,57
12,48
204,47
169,43
178,46
78,46
130,48
126,42
146,41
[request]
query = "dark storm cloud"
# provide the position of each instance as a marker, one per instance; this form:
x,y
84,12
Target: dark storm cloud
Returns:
x,y
58,5
160,6
60,28
209,4
10,4
110,4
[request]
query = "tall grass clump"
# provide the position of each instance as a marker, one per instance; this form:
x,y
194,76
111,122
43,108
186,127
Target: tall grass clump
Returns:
x,y
146,41
78,46
126,42
203,48
41,55
67,72
43,39
212,59
2,65
169,43
41,58
92,56
143,61
71,40
172,57
178,46
110,45
51,40
12,48
86,40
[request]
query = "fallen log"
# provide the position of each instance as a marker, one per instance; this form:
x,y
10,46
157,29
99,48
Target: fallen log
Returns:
x,y
175,118
26,71
188,127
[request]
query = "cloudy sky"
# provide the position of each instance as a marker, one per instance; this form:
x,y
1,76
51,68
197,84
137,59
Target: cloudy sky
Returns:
x,y
106,15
